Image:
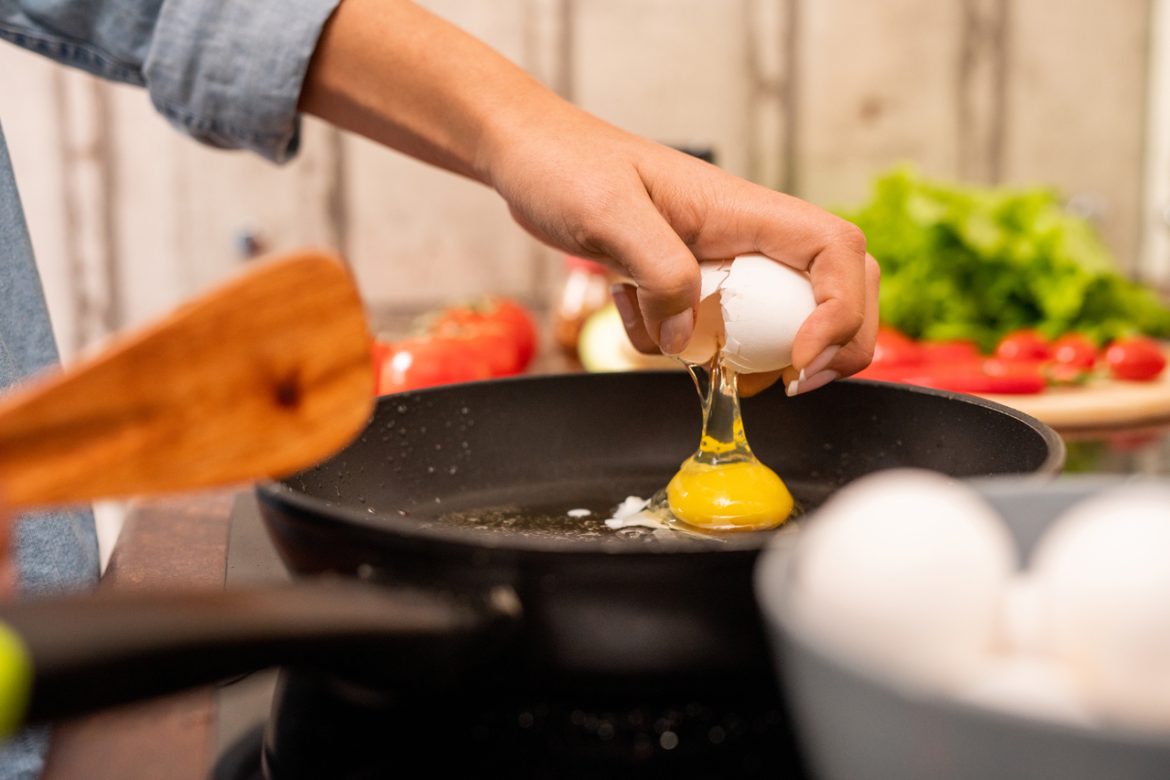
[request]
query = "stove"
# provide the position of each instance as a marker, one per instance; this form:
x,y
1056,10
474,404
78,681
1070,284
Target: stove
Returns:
x,y
299,724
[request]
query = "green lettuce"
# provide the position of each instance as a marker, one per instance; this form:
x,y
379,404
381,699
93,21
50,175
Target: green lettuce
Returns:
x,y
966,262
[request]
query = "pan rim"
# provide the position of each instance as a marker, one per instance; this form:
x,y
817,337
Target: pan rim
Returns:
x,y
278,491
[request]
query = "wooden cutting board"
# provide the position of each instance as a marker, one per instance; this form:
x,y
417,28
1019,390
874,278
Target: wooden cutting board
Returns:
x,y
1101,403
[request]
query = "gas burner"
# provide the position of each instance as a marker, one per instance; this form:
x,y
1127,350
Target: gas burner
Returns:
x,y
318,731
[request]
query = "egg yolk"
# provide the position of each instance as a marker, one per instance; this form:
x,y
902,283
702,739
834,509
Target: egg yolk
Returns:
x,y
729,496
723,487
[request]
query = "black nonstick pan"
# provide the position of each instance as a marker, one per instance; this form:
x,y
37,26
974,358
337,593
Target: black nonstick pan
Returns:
x,y
447,523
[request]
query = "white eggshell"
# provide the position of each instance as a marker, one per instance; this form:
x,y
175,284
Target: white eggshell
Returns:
x,y
754,305
1021,621
903,572
1031,686
708,333
1103,575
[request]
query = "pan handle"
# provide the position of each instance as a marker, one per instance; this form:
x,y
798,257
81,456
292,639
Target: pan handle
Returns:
x,y
65,656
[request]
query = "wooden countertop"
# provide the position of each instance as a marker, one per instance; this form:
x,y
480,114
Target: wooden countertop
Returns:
x,y
175,543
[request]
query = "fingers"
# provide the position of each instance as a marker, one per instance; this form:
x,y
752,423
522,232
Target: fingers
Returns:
x,y
853,356
831,363
839,283
666,276
750,384
625,298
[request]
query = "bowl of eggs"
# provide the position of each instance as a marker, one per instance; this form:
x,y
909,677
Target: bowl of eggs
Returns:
x,y
926,627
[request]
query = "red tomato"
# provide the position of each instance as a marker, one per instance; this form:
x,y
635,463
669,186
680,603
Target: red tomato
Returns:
x,y
1136,358
495,312
962,376
523,327
428,361
1073,349
997,366
1023,344
972,378
893,348
379,351
494,340
955,351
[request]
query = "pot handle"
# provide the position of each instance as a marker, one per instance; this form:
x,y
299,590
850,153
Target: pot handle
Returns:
x,y
66,656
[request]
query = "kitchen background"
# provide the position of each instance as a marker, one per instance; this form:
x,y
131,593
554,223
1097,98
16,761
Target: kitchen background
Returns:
x,y
813,97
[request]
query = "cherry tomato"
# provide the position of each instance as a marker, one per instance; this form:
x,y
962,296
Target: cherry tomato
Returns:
x,y
1023,344
894,348
379,351
1074,349
971,378
494,340
1136,358
428,361
963,376
496,312
996,366
523,327
954,351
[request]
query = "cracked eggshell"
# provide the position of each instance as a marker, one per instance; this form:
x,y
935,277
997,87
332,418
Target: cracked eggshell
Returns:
x,y
754,306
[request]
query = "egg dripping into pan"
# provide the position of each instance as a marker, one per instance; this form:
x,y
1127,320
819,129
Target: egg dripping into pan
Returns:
x,y
749,312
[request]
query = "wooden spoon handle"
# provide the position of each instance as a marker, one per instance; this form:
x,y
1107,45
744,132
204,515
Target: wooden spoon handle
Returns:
x,y
264,375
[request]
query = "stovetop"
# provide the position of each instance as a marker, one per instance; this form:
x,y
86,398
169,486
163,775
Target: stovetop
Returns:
x,y
289,725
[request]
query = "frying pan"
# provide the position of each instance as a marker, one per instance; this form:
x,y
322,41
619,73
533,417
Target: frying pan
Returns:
x,y
598,606
407,590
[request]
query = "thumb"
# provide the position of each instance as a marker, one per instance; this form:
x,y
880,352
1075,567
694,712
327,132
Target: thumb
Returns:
x,y
666,274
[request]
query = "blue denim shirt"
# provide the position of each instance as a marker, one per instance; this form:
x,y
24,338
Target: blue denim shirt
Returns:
x,y
226,72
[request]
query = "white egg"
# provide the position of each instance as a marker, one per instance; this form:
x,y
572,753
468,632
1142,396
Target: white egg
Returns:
x,y
753,306
903,572
1032,686
1103,575
1021,620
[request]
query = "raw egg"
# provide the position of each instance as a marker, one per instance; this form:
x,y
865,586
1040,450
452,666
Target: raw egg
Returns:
x,y
750,309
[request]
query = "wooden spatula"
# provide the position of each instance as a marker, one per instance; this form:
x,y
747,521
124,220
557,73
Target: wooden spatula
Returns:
x,y
260,377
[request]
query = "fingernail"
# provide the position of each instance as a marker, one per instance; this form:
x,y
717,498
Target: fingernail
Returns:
x,y
675,332
793,388
819,379
625,307
820,361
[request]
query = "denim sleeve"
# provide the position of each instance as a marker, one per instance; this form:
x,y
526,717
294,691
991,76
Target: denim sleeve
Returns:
x,y
55,550
226,72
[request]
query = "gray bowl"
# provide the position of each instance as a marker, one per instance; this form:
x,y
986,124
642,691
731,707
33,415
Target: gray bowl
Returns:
x,y
854,724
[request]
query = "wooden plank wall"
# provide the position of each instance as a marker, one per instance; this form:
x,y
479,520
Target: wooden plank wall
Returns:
x,y
810,96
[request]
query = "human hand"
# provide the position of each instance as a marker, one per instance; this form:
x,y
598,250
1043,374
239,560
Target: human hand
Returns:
x,y
594,191
586,187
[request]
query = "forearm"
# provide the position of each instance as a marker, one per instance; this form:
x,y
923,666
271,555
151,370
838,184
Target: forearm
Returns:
x,y
399,75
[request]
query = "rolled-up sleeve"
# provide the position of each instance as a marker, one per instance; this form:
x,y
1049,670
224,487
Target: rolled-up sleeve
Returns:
x,y
227,72
230,72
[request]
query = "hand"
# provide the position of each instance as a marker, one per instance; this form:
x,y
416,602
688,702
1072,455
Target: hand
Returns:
x,y
590,189
396,73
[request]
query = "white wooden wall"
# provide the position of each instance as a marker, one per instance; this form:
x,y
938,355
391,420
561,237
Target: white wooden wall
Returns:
x,y
810,96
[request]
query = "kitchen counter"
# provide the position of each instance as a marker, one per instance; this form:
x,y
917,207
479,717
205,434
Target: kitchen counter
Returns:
x,y
182,542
